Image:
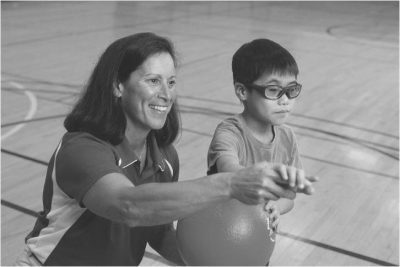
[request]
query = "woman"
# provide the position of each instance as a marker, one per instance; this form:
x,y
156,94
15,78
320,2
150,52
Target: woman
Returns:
x,y
111,184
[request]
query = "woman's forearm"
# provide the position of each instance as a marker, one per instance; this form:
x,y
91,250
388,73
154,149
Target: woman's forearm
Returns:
x,y
115,198
159,203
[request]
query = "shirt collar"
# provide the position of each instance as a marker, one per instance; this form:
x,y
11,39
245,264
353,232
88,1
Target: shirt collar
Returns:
x,y
154,157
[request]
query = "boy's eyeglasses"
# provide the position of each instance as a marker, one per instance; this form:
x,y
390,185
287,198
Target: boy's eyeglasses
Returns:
x,y
274,92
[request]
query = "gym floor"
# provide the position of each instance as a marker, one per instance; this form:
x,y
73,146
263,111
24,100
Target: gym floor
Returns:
x,y
346,119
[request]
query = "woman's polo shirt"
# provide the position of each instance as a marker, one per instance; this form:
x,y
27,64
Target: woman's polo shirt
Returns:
x,y
67,233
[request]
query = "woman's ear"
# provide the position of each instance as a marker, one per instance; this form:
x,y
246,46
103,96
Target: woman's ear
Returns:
x,y
241,91
118,88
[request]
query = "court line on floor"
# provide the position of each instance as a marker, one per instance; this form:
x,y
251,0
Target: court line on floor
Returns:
x,y
288,235
46,82
337,249
356,140
28,116
350,167
332,31
24,157
210,135
113,28
292,114
317,159
19,208
359,141
52,100
34,120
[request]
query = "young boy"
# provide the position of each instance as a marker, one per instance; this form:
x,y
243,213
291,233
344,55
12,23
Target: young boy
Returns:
x,y
265,81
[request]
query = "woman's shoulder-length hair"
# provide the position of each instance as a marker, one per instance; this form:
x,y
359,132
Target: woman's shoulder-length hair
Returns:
x,y
99,111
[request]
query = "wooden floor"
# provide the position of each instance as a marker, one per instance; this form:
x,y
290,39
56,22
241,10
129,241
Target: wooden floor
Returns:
x,y
346,120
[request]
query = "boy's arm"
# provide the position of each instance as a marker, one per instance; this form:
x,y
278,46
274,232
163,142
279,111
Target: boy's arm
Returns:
x,y
228,163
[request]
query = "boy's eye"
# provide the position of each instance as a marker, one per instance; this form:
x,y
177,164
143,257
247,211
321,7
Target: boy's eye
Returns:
x,y
272,90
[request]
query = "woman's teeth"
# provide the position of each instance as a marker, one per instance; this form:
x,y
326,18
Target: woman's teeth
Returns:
x,y
159,108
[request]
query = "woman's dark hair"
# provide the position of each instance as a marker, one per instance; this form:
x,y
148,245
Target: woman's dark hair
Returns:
x,y
99,111
261,56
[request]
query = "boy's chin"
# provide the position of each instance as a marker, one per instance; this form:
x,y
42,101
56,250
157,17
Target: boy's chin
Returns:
x,y
278,122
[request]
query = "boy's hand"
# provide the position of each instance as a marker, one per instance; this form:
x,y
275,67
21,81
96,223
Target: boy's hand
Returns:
x,y
296,178
273,213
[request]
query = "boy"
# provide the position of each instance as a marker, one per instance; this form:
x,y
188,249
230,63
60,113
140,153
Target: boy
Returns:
x,y
265,81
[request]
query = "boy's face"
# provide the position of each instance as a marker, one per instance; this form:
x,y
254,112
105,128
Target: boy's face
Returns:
x,y
274,112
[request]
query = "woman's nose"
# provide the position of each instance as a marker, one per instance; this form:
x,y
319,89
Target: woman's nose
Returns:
x,y
165,92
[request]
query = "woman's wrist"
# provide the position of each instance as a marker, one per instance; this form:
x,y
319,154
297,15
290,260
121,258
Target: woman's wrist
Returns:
x,y
222,182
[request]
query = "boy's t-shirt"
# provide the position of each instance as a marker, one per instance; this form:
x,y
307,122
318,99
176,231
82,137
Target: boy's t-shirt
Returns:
x,y
232,138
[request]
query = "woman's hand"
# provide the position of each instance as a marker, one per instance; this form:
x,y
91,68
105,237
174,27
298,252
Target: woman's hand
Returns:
x,y
269,181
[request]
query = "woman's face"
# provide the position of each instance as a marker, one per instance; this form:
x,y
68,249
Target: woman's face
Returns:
x,y
149,92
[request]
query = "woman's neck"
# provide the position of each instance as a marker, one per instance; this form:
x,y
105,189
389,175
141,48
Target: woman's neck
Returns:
x,y
262,131
136,136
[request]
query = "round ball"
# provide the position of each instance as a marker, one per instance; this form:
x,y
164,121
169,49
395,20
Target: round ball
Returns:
x,y
230,233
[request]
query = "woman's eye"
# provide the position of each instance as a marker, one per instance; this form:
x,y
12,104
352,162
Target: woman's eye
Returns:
x,y
154,81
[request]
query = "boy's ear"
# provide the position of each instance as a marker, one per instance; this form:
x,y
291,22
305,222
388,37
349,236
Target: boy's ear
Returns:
x,y
241,91
118,88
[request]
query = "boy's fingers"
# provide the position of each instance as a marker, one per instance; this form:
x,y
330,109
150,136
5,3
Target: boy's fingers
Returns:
x,y
281,169
300,178
308,190
292,173
312,178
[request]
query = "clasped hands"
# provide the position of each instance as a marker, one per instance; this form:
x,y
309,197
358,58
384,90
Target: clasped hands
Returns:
x,y
266,181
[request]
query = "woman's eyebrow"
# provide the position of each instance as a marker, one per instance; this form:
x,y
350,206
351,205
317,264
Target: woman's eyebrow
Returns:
x,y
151,74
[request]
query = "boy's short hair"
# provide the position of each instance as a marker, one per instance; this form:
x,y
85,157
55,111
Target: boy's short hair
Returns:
x,y
259,56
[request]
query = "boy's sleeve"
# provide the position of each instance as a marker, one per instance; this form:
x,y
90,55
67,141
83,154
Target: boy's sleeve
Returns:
x,y
295,155
225,142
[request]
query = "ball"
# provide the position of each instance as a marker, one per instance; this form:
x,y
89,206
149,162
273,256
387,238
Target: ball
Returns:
x,y
229,233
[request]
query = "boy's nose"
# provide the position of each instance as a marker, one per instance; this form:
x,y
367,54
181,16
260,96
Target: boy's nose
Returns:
x,y
284,100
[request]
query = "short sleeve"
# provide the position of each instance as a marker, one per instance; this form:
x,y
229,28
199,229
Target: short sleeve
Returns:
x,y
295,159
226,142
80,162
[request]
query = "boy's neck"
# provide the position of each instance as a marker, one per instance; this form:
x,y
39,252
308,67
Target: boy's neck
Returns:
x,y
261,131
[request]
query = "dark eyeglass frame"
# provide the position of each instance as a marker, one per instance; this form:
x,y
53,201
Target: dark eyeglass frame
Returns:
x,y
284,90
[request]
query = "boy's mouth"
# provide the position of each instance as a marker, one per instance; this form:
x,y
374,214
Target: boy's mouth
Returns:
x,y
283,111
